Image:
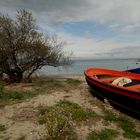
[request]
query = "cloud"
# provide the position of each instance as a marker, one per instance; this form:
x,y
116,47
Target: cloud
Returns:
x,y
126,52
121,16
93,48
103,11
130,28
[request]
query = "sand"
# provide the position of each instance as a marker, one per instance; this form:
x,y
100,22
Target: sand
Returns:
x,y
20,119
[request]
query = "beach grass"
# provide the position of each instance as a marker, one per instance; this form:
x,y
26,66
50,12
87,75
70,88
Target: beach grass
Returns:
x,y
128,127
10,95
39,86
105,134
60,118
13,94
76,112
122,122
59,125
69,111
73,81
109,116
50,85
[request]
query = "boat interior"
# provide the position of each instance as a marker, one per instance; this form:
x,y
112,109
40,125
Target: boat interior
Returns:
x,y
135,84
108,76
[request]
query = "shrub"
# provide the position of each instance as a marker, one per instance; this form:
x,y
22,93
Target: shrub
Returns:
x,y
77,112
59,126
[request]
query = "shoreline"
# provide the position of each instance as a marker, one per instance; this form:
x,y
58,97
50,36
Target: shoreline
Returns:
x,y
64,76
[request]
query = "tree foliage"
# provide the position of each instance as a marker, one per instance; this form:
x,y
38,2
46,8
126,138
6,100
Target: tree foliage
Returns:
x,y
24,49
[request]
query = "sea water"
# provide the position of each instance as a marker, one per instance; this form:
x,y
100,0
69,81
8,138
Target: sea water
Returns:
x,y
80,65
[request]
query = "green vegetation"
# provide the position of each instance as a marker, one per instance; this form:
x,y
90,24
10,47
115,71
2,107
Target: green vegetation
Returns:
x,y
39,85
73,81
124,123
76,112
57,82
59,126
128,127
11,95
109,116
50,84
2,127
18,95
43,110
1,90
59,119
42,113
47,85
38,50
105,134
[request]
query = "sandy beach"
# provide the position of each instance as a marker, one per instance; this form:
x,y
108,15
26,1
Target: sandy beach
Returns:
x,y
22,120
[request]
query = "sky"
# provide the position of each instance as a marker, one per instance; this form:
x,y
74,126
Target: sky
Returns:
x,y
91,28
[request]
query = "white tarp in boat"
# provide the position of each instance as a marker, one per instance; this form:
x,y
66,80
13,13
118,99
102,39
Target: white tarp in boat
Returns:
x,y
121,81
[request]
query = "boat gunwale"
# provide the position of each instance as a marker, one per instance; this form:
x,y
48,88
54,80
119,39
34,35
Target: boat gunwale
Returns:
x,y
115,74
133,93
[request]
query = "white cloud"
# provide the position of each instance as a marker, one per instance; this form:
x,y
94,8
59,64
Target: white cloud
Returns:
x,y
130,28
91,47
123,15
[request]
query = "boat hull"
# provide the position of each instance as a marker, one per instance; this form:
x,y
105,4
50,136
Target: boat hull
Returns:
x,y
137,70
112,95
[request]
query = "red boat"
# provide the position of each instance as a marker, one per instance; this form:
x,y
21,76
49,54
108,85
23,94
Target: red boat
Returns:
x,y
104,83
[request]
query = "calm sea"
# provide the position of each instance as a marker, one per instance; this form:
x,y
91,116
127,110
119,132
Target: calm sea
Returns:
x,y
79,66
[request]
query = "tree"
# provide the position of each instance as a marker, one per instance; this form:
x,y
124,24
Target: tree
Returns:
x,y
24,50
